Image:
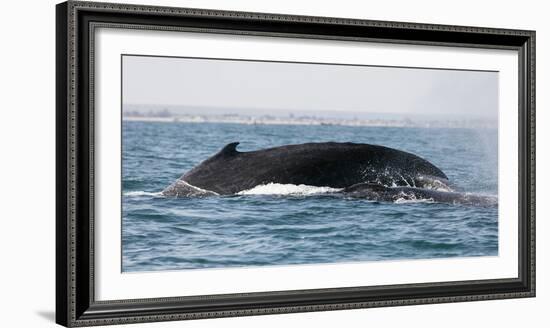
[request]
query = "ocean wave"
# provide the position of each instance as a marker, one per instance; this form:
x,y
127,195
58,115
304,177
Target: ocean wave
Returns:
x,y
288,189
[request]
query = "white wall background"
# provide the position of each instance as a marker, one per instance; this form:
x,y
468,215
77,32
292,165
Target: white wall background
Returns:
x,y
27,178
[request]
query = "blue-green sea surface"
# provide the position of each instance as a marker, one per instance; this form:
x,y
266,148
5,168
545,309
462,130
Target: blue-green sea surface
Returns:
x,y
297,226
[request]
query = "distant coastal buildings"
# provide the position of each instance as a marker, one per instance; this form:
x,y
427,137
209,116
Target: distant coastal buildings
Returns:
x,y
166,115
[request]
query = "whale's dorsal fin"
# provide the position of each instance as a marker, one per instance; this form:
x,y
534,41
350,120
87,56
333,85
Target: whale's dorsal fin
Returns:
x,y
229,149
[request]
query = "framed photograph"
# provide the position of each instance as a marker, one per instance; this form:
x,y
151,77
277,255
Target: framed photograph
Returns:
x,y
215,163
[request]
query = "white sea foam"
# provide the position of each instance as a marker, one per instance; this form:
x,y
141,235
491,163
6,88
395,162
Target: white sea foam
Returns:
x,y
139,193
287,189
431,182
439,186
404,200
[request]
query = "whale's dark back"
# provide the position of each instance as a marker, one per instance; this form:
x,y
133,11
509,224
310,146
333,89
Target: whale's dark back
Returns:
x,y
331,164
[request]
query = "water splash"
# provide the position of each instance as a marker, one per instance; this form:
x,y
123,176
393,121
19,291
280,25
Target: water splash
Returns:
x,y
288,189
140,193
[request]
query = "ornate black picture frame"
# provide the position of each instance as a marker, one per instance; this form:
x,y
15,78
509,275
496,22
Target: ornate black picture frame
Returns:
x,y
75,301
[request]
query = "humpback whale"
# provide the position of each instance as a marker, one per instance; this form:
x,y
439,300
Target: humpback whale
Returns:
x,y
328,164
381,193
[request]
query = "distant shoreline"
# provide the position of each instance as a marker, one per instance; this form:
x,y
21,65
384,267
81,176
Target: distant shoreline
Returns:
x,y
312,121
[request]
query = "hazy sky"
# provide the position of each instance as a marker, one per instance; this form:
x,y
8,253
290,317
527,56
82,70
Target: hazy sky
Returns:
x,y
308,87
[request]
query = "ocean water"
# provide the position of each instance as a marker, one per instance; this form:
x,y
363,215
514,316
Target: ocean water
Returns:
x,y
287,225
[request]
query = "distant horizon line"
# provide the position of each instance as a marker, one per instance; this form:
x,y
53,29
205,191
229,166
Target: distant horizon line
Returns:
x,y
311,121
273,111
